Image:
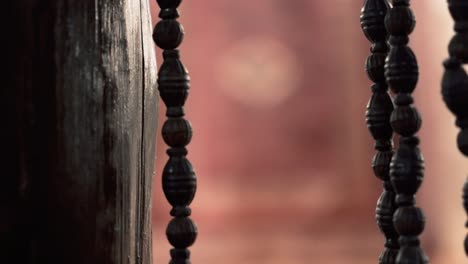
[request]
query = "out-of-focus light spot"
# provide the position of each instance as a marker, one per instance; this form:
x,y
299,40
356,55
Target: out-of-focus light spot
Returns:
x,y
259,72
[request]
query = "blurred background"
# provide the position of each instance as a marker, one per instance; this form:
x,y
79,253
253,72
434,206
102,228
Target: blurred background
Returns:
x,y
280,146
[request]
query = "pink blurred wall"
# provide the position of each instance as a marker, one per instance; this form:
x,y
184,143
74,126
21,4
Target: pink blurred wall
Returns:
x,y
280,147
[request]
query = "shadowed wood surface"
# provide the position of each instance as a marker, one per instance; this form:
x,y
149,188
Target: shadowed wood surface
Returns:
x,y
77,187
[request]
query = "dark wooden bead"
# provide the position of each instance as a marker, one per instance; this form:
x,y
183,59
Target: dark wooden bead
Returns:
x,y
462,141
375,67
177,132
401,69
165,4
458,47
389,254
168,34
459,11
455,88
384,213
179,181
378,112
400,21
409,220
405,120
181,232
372,19
173,80
381,164
412,255
407,168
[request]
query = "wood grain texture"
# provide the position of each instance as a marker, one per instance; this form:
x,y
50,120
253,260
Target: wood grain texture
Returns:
x,y
85,76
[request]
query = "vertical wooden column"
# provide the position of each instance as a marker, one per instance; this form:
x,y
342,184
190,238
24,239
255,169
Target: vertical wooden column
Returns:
x,y
83,110
378,114
455,81
407,166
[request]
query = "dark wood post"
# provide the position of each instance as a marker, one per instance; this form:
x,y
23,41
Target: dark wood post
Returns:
x,y
81,107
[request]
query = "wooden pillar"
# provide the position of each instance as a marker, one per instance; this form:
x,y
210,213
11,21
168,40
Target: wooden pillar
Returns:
x,y
80,133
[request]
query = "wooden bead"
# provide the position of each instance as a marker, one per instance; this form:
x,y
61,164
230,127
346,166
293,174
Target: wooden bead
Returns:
x,y
179,181
458,47
375,67
407,169
168,34
372,20
455,88
177,132
381,164
409,220
173,80
405,120
378,113
459,11
400,21
384,213
181,232
401,69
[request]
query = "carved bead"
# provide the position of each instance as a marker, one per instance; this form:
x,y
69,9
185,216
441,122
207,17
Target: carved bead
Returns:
x,y
375,67
177,132
381,164
400,21
462,141
181,232
179,181
405,120
409,220
168,34
173,80
455,88
384,213
378,113
458,47
389,255
401,69
372,19
407,169
411,255
459,11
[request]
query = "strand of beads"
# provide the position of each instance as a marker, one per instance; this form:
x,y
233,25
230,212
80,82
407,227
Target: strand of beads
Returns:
x,y
407,166
455,81
179,181
378,114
